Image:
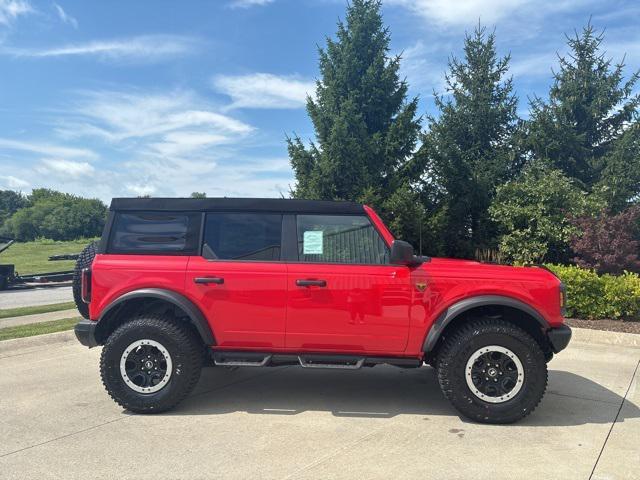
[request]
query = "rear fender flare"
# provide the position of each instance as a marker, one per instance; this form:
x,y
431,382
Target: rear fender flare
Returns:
x,y
446,317
195,315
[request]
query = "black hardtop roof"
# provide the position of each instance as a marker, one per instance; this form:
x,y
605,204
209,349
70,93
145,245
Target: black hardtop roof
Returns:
x,y
284,205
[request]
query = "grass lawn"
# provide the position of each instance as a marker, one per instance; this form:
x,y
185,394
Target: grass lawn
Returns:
x,y
37,328
20,311
32,257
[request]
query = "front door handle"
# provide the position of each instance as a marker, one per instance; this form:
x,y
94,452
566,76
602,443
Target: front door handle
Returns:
x,y
207,280
311,283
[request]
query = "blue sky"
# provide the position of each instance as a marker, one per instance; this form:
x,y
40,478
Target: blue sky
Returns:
x,y
125,98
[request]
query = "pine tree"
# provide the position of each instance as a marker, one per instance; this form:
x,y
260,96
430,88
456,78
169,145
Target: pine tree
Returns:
x,y
589,126
469,149
366,130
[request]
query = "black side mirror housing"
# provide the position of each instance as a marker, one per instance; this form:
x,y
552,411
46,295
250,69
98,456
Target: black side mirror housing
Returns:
x,y
402,254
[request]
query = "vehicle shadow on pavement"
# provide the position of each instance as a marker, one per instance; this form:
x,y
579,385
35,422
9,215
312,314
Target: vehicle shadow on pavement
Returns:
x,y
381,392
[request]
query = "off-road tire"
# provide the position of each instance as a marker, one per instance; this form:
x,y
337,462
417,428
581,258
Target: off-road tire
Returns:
x,y
85,259
456,352
187,356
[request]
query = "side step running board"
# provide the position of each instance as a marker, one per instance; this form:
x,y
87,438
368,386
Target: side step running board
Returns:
x,y
231,358
241,360
319,362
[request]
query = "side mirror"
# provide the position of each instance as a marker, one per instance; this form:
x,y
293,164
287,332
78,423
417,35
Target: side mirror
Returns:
x,y
402,254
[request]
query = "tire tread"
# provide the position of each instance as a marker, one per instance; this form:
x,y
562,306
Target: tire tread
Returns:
x,y
182,335
464,334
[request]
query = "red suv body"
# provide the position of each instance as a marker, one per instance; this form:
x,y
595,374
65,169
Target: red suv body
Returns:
x,y
260,282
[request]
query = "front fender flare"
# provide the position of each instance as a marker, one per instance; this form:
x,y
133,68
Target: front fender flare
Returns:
x,y
196,317
456,309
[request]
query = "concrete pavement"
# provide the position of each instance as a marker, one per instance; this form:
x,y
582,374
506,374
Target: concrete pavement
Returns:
x,y
278,423
28,297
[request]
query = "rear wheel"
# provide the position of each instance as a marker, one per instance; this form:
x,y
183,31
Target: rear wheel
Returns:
x,y
150,364
492,371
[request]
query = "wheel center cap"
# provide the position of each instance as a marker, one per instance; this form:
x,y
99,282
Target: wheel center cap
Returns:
x,y
148,364
492,372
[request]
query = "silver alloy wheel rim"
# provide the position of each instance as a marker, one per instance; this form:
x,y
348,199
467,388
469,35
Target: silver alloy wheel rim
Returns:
x,y
135,346
511,357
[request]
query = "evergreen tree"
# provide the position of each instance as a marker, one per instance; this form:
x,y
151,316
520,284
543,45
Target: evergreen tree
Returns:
x,y
470,148
366,130
589,126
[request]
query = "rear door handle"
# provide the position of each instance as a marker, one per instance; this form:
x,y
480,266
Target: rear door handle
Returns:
x,y
207,280
311,283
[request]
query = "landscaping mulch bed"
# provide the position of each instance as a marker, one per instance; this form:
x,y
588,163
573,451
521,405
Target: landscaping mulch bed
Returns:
x,y
608,325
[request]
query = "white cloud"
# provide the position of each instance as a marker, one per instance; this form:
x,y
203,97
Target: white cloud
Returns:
x,y
423,74
249,3
12,9
534,65
12,183
447,14
264,90
146,48
461,12
46,149
65,168
164,143
173,140
64,16
178,118
179,143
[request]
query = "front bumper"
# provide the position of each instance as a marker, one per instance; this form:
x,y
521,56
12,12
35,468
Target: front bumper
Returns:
x,y
559,337
86,333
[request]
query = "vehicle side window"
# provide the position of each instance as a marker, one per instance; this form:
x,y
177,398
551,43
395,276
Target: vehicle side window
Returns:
x,y
242,236
340,239
153,232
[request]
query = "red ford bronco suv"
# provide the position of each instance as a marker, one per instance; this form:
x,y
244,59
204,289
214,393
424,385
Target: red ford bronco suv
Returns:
x,y
176,284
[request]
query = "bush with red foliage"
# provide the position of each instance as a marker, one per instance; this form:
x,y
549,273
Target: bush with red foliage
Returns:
x,y
607,243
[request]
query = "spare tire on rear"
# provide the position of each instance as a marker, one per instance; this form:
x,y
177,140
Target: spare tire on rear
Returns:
x,y
85,259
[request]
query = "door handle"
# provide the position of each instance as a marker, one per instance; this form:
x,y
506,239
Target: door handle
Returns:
x,y
207,280
311,283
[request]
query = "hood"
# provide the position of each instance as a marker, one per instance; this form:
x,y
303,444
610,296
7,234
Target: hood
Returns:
x,y
455,267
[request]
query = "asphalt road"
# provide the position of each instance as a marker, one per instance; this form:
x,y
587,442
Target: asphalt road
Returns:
x,y
289,423
26,297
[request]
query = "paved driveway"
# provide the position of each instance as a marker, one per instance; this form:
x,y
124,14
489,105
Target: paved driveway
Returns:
x,y
384,422
27,297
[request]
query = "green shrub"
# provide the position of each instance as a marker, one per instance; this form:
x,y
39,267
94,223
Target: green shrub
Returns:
x,y
592,296
622,295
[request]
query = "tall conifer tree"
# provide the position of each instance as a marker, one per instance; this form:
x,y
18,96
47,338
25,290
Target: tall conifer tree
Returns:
x,y
470,147
366,129
589,127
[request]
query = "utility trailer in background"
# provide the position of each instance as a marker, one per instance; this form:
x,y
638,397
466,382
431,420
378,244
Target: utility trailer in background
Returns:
x,y
9,277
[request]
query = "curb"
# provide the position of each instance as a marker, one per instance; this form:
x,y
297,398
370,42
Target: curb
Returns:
x,y
603,337
37,341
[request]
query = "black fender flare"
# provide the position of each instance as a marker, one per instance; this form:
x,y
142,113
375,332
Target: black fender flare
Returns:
x,y
456,309
196,316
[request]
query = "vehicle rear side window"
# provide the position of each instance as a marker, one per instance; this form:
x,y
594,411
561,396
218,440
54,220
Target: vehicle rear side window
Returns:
x,y
155,232
243,236
340,239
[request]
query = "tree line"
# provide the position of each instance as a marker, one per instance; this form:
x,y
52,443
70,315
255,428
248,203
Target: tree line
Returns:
x,y
475,180
50,214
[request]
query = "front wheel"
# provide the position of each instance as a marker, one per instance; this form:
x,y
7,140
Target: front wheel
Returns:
x,y
492,371
150,364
